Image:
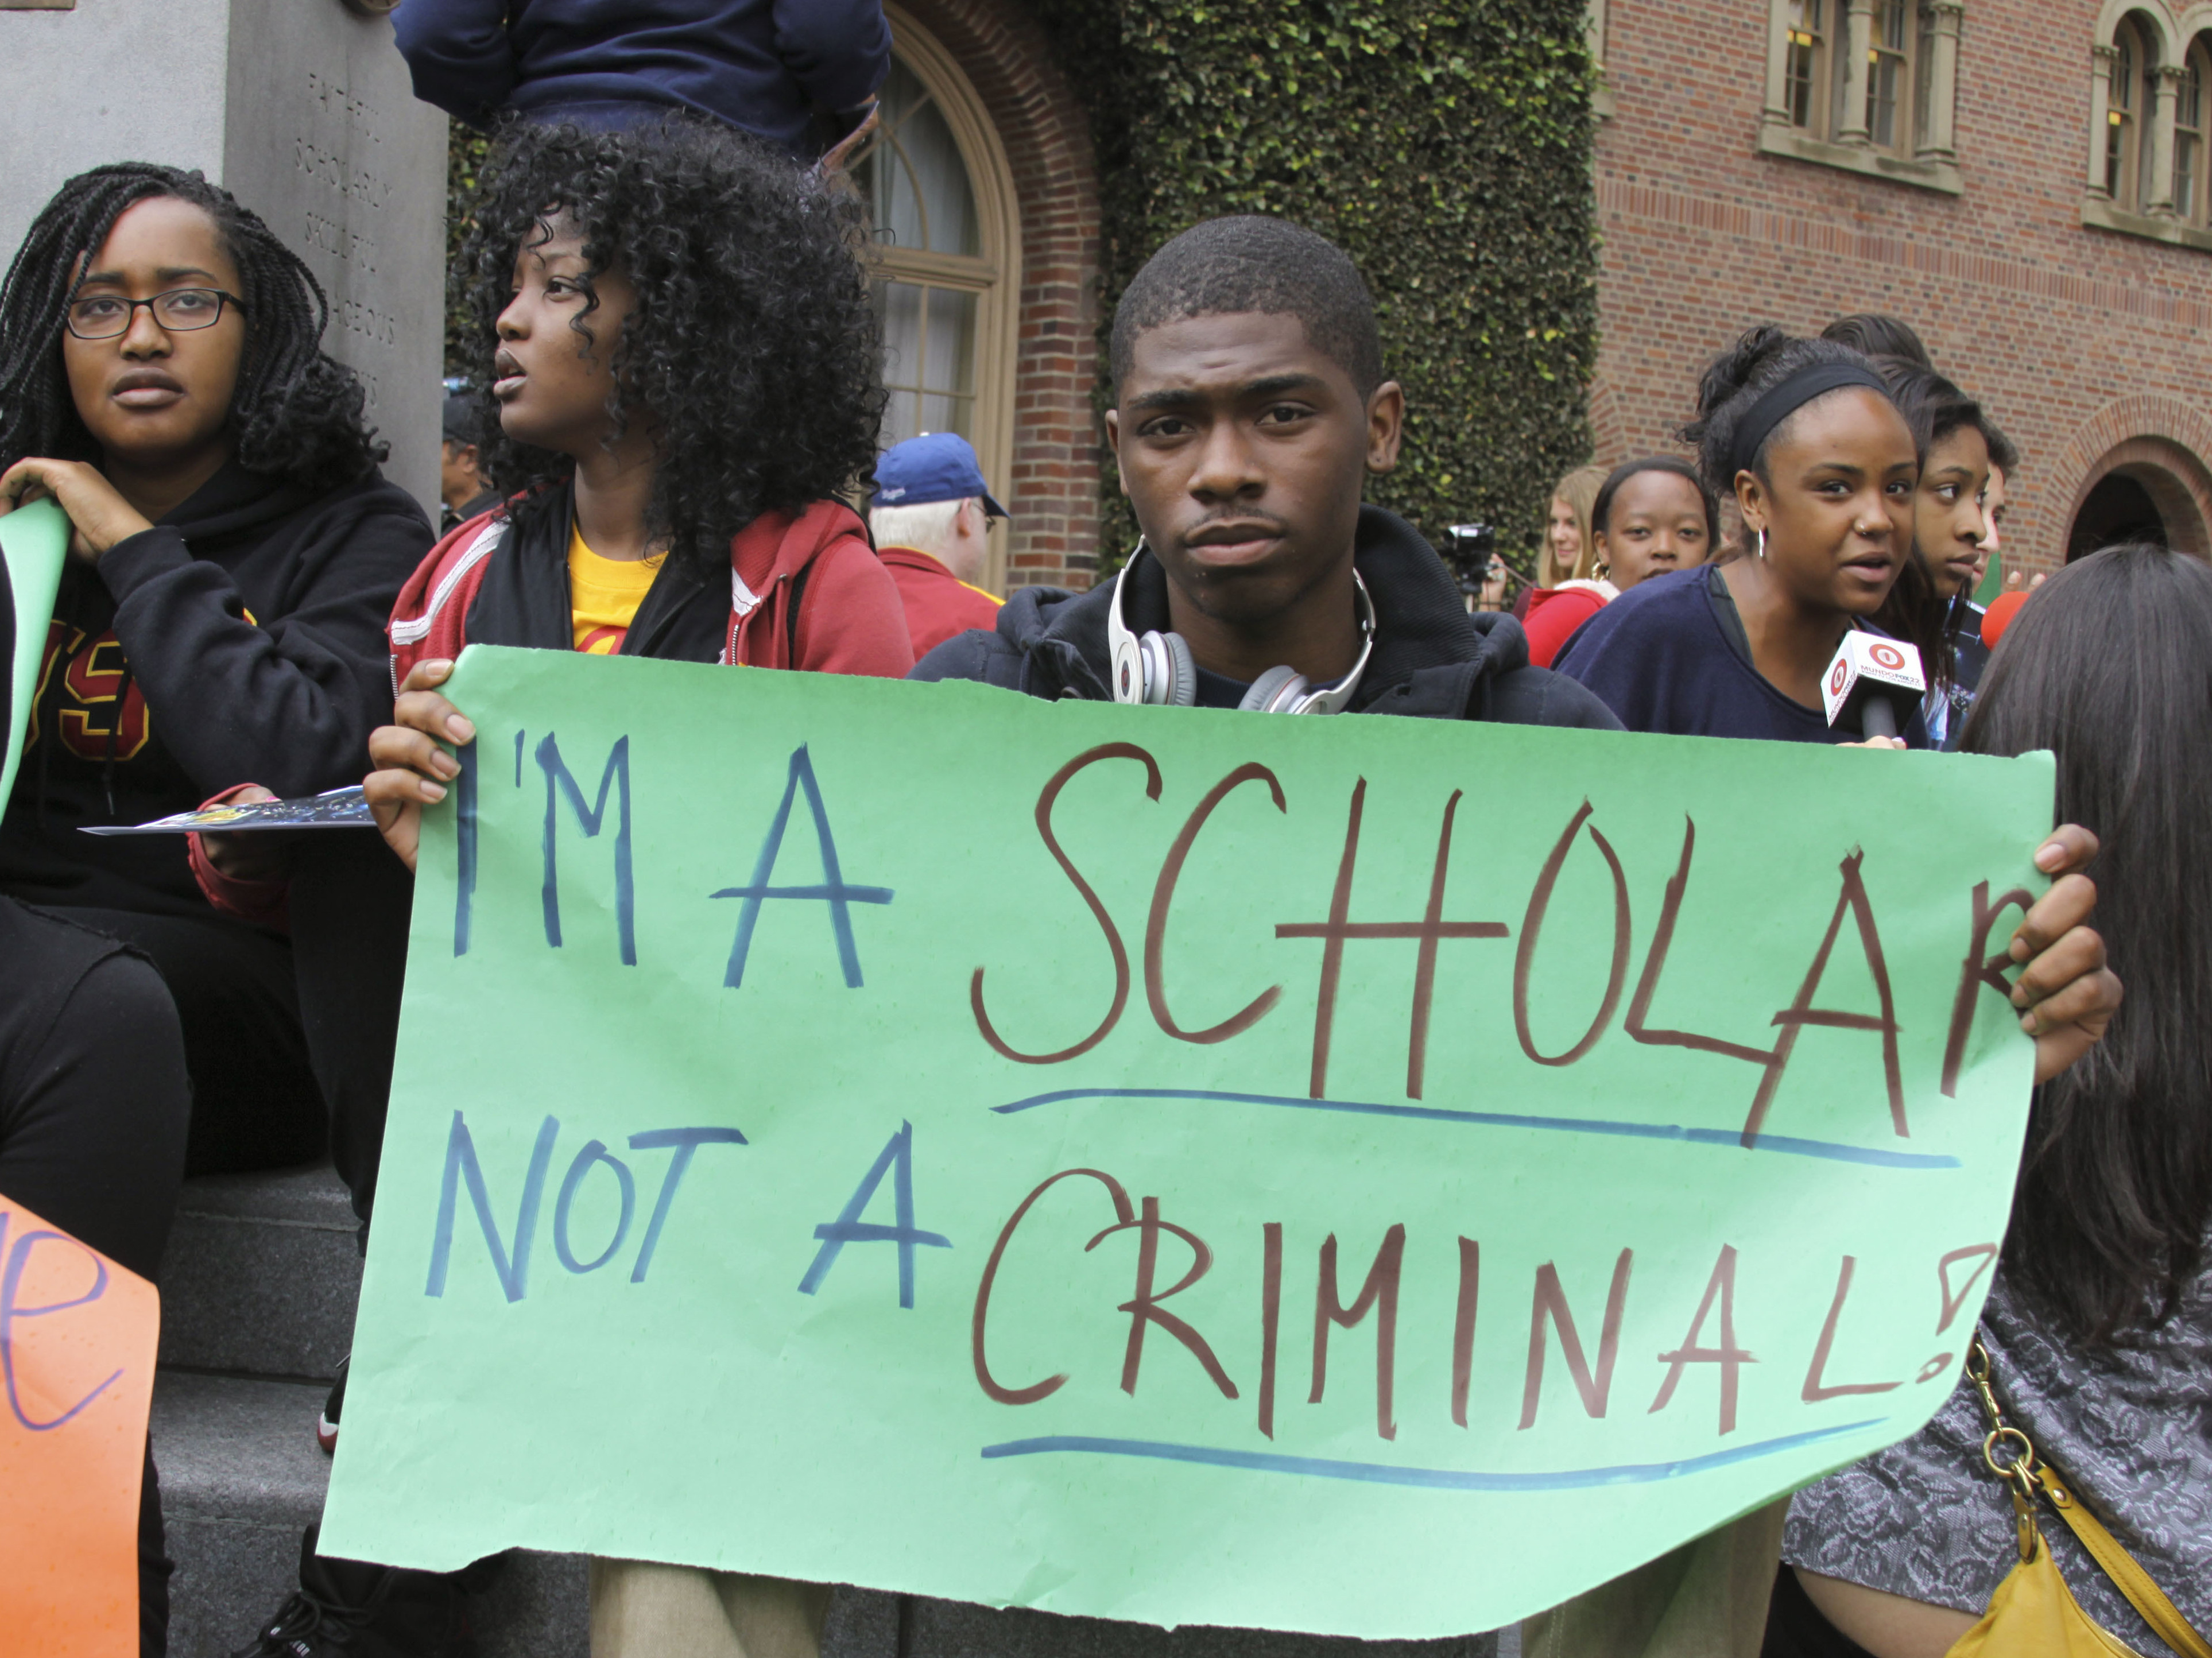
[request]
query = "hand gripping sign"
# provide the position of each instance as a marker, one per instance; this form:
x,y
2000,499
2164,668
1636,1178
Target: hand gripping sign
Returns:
x,y
1372,1177
77,1334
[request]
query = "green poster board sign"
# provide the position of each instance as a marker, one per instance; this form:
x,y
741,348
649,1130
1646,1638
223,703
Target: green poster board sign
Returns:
x,y
1359,1176
34,542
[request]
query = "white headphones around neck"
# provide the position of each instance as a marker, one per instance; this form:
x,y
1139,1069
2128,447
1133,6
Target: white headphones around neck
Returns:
x,y
1156,668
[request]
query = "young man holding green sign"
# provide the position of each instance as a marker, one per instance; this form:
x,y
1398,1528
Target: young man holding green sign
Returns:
x,y
1251,405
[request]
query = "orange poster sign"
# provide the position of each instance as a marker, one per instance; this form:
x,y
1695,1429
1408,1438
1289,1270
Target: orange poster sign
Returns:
x,y
77,1334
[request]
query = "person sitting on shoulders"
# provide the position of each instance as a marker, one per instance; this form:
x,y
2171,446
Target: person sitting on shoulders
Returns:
x,y
931,519
1651,516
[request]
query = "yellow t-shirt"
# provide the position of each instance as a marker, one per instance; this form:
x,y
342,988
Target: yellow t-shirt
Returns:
x,y
603,594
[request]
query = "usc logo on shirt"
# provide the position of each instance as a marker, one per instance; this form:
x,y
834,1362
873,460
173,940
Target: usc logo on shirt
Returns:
x,y
93,677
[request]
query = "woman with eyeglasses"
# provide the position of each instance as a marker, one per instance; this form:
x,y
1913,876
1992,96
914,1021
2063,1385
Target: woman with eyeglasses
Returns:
x,y
233,554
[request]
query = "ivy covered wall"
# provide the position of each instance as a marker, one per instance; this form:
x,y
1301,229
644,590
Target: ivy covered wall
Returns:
x,y
1446,147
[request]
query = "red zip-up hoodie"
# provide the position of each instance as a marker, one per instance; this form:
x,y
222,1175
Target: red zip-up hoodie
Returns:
x,y
806,592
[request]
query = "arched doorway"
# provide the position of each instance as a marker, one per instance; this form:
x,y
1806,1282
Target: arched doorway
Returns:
x,y
947,254
2147,488
2119,508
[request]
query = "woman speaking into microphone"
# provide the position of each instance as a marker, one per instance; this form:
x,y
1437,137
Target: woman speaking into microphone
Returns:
x,y
1804,435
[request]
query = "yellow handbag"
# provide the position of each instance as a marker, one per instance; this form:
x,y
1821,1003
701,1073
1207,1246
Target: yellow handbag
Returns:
x,y
2033,1614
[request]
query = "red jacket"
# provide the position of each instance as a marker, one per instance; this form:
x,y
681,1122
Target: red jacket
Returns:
x,y
1554,613
850,617
938,603
848,620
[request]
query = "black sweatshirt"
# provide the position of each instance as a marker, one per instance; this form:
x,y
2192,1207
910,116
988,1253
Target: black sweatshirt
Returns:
x,y
243,638
1431,661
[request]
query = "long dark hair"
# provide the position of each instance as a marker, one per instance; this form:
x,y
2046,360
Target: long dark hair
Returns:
x,y
1916,610
2109,667
296,412
753,344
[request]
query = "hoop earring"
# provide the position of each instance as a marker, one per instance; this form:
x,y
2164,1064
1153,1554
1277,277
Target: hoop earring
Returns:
x,y
1762,544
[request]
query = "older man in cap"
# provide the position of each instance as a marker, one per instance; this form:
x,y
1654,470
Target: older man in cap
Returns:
x,y
931,519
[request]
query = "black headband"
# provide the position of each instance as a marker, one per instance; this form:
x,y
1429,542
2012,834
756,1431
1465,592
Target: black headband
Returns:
x,y
1780,401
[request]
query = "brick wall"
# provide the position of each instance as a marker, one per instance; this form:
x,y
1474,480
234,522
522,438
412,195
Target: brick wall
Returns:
x,y
2090,348
1053,492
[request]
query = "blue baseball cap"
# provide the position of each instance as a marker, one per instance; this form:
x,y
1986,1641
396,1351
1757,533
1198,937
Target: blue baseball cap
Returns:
x,y
939,466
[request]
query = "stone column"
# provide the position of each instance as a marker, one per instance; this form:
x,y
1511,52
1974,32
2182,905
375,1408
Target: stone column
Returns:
x,y
302,110
1776,112
1942,69
2101,59
1858,35
2158,194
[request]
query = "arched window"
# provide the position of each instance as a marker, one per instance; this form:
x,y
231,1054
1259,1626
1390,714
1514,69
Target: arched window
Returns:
x,y
2130,100
1806,93
940,196
2190,177
1889,99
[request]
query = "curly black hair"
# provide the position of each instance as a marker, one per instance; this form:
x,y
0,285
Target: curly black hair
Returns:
x,y
753,345
296,412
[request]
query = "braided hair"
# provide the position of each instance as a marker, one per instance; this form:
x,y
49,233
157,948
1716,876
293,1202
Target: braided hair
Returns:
x,y
752,347
296,412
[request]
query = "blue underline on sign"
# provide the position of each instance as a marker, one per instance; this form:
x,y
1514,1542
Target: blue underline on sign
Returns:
x,y
1833,1151
1446,1479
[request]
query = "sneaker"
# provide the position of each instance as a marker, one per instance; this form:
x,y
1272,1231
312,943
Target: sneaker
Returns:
x,y
326,1429
352,1609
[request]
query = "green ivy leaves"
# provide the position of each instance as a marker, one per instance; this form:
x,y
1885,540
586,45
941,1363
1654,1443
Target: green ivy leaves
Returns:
x,y
1445,147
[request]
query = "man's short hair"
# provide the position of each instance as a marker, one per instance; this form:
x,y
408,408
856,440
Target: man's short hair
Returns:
x,y
1255,262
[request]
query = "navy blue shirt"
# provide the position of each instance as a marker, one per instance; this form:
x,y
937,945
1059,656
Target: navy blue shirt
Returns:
x,y
763,65
1671,655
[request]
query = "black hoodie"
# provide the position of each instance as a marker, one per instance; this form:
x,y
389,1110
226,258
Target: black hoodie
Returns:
x,y
242,639
1432,660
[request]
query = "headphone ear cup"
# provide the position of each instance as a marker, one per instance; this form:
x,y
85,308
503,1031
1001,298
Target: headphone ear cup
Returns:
x,y
1274,691
1182,672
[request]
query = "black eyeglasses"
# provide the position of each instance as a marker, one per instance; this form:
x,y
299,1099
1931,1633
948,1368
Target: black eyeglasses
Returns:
x,y
104,316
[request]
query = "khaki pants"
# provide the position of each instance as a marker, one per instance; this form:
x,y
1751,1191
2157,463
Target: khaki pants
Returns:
x,y
1705,1600
641,1610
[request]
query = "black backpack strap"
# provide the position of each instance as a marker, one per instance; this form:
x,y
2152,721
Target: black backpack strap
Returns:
x,y
791,616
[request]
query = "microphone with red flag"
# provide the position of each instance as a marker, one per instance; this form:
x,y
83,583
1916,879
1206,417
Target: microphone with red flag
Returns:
x,y
1874,683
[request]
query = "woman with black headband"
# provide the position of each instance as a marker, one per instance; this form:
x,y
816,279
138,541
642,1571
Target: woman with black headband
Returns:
x,y
1805,437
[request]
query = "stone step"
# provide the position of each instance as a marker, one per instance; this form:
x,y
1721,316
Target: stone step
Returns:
x,y
241,1479
261,1276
